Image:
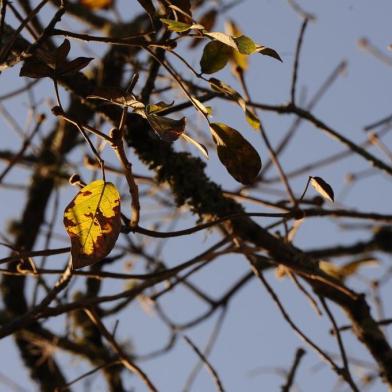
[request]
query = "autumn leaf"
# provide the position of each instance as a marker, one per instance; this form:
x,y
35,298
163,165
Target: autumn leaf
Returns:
x,y
341,272
93,222
238,156
97,4
166,128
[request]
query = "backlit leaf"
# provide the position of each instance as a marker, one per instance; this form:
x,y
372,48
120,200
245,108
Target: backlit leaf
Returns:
x,y
215,57
222,37
198,145
158,107
75,65
322,187
180,27
97,4
237,59
238,156
166,128
245,45
93,222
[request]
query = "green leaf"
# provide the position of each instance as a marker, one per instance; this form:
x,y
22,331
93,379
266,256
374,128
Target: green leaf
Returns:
x,y
238,156
252,118
245,45
158,107
322,187
269,52
215,57
93,222
178,27
166,128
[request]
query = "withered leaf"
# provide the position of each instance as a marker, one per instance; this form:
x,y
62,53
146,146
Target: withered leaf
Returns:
x,y
93,222
238,156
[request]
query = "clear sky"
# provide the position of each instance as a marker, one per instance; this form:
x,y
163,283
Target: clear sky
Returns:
x,y
254,340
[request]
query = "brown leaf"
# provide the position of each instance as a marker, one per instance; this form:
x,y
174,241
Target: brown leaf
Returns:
x,y
238,156
97,4
35,69
166,128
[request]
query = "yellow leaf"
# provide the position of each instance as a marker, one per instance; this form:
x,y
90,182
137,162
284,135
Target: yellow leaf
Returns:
x,y
97,4
93,222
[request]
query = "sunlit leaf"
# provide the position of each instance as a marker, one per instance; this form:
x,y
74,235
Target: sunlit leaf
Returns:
x,y
158,107
200,106
93,222
215,57
198,145
223,38
252,118
166,128
238,156
237,59
322,187
97,4
180,27
245,45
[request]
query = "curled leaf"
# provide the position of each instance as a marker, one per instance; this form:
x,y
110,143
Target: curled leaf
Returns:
x,y
93,222
238,156
215,57
322,187
269,52
198,145
166,128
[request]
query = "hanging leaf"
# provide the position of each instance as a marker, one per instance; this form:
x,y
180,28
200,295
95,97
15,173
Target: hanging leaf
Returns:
x,y
158,107
237,59
61,53
73,66
223,38
215,57
35,69
245,45
268,52
166,128
224,88
238,156
180,27
93,222
198,145
322,187
97,4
